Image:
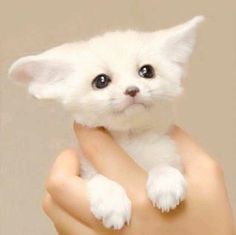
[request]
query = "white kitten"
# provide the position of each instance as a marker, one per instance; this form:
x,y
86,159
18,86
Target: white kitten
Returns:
x,y
124,81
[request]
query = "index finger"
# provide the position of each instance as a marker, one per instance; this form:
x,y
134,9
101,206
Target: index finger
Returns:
x,y
193,156
67,189
109,158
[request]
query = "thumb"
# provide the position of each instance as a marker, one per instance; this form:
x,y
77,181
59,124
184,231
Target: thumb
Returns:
x,y
108,157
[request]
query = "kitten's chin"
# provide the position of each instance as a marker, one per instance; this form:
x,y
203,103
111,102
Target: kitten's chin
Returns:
x,y
131,109
140,119
136,118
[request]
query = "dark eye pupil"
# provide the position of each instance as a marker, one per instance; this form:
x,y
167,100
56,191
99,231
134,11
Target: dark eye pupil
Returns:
x,y
101,81
146,71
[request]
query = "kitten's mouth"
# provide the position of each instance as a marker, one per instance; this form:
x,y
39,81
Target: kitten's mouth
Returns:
x,y
132,105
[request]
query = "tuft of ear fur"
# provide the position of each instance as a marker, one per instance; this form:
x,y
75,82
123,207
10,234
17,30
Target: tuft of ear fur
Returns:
x,y
179,41
44,76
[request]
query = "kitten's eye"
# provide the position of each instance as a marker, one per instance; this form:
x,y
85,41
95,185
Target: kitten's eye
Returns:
x,y
101,81
146,71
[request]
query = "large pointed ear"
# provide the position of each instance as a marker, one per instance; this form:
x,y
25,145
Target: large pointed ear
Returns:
x,y
44,76
178,42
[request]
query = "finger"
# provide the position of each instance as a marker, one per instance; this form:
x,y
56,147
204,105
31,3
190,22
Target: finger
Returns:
x,y
65,224
109,158
59,232
194,157
67,189
66,164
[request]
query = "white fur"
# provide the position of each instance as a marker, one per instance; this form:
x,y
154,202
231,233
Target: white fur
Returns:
x,y
166,187
65,73
109,202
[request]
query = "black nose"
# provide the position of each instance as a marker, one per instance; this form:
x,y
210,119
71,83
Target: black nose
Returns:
x,y
132,91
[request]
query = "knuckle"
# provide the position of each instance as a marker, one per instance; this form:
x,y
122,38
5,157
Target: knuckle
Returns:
x,y
215,167
56,184
46,204
218,169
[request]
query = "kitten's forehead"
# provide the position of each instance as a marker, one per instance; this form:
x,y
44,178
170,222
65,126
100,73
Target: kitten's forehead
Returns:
x,y
119,43
117,38
107,47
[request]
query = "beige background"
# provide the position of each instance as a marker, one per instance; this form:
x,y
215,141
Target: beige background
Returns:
x,y
32,133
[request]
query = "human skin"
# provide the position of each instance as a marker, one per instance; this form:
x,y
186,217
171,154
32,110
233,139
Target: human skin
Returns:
x,y
206,209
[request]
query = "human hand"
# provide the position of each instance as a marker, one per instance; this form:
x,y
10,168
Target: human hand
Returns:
x,y
206,209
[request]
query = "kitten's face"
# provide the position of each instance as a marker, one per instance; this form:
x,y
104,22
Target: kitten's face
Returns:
x,y
121,80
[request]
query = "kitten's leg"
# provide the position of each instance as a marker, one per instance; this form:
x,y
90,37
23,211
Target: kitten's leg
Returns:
x,y
166,187
109,202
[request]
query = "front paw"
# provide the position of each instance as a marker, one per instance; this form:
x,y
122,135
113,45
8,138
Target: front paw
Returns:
x,y
109,202
166,187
